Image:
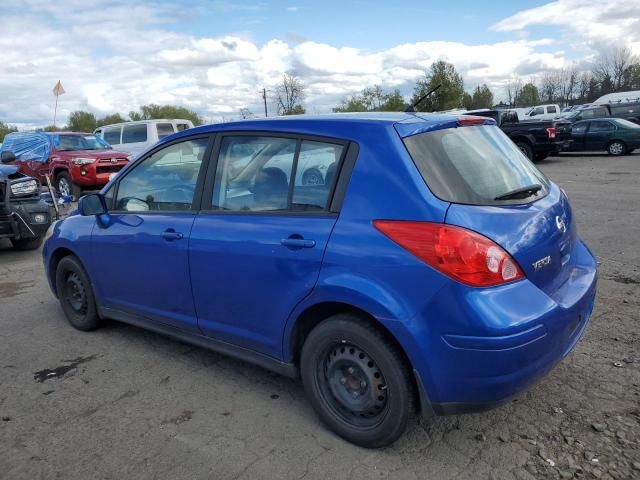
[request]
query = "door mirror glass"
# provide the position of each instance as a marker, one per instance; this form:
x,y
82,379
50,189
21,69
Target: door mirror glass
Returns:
x,y
132,204
7,157
92,204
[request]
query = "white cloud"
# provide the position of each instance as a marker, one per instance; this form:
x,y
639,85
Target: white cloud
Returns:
x,y
116,56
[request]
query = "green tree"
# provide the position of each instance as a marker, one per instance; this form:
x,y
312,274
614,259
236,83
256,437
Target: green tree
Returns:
x,y
450,93
373,99
153,111
110,120
393,102
528,96
6,129
482,97
81,121
467,101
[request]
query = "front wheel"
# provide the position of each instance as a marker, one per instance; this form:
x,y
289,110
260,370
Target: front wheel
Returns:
x,y
616,148
26,243
65,186
357,380
539,157
76,294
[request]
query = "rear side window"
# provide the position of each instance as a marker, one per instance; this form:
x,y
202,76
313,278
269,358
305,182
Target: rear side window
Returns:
x,y
626,109
134,133
164,130
275,174
112,135
600,126
473,165
551,109
182,126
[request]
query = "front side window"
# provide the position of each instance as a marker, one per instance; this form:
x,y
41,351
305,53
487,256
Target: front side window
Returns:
x,y
164,130
164,181
474,165
112,135
274,174
134,133
600,112
551,109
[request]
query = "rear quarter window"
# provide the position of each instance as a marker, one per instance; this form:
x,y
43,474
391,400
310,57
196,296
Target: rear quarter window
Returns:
x,y
473,165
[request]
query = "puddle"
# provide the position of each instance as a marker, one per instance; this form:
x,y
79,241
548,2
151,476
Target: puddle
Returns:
x,y
48,373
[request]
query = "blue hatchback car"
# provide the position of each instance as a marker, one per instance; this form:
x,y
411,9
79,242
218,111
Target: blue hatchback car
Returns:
x,y
423,265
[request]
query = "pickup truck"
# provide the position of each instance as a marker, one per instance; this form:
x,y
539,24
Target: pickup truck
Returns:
x,y
73,161
537,139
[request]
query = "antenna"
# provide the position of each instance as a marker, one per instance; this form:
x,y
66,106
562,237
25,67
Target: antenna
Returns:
x,y
412,108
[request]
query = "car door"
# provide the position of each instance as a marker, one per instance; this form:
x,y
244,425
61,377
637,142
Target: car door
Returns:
x,y
142,251
256,251
578,135
599,134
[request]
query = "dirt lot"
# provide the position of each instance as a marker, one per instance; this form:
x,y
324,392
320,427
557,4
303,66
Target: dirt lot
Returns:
x,y
124,403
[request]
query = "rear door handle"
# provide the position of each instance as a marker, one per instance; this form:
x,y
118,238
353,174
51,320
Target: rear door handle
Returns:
x,y
170,234
295,242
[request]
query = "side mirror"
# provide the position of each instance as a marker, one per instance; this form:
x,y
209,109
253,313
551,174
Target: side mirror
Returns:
x,y
92,204
7,157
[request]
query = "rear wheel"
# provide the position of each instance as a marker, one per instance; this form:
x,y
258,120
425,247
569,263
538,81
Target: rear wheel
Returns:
x,y
26,243
539,157
526,149
616,148
76,295
65,186
357,380
312,177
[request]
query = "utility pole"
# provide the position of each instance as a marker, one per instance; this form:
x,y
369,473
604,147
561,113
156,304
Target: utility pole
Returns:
x,y
264,98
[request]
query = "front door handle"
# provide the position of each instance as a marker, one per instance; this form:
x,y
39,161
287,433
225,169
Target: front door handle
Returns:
x,y
297,242
170,234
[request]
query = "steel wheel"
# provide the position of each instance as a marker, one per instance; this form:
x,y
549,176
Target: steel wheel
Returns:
x,y
75,293
353,385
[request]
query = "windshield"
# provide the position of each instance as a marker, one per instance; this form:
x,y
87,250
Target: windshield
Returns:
x,y
475,165
626,123
79,142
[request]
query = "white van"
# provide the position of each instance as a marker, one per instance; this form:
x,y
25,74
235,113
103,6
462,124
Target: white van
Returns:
x,y
136,137
541,112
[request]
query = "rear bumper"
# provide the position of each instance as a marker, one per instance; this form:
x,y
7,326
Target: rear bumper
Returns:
x,y
466,373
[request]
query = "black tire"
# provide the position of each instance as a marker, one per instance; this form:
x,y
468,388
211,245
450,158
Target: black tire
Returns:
x,y
27,243
76,294
539,157
616,148
357,380
526,149
631,150
312,177
65,186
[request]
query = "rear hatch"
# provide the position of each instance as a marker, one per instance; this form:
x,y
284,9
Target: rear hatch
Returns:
x,y
496,191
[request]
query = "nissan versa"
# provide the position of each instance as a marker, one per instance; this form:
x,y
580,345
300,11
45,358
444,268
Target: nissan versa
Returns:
x,y
433,268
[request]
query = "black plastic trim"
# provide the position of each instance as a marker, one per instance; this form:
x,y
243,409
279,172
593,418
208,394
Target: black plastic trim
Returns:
x,y
269,363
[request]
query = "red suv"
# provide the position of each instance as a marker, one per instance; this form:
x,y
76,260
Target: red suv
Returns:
x,y
73,160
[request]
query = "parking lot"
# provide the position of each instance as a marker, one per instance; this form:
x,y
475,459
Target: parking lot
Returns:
x,y
126,403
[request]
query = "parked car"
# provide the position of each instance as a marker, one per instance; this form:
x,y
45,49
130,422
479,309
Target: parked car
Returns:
x,y
541,112
24,215
536,139
438,270
72,160
615,135
628,110
136,137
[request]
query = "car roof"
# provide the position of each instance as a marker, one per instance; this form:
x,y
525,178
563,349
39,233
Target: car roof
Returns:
x,y
151,120
339,125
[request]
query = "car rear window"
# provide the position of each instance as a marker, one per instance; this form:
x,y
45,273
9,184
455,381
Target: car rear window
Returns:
x,y
474,165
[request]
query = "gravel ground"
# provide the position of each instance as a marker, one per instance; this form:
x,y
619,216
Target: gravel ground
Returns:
x,y
125,403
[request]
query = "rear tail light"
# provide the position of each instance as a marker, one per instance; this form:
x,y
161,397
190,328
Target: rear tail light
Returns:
x,y
551,132
464,255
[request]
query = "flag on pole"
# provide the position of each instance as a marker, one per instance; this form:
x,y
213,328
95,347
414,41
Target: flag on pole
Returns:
x,y
58,89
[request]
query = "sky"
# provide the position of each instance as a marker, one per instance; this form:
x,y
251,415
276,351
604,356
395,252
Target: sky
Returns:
x,y
215,56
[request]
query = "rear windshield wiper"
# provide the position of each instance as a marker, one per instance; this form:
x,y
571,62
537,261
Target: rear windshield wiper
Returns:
x,y
522,192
